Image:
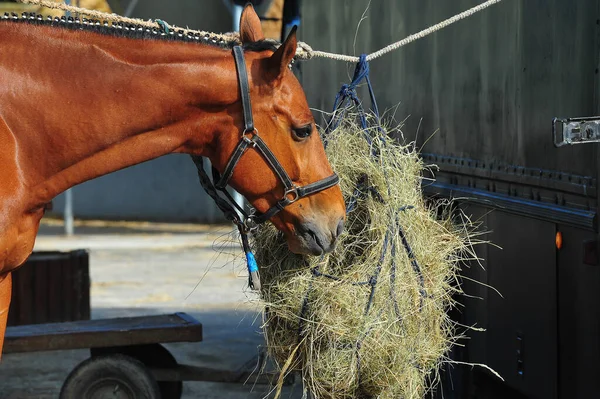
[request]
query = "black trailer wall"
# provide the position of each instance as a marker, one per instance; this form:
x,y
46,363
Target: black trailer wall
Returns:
x,y
488,87
491,83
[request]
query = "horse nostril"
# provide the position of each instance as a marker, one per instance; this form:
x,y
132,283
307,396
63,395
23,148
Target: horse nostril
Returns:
x,y
340,228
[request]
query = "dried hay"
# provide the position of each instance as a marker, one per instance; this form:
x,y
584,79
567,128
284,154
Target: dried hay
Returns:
x,y
319,316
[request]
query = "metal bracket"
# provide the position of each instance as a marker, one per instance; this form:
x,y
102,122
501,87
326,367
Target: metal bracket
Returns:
x,y
569,131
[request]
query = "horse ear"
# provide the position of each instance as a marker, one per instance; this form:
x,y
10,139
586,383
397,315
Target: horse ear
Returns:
x,y
250,28
281,58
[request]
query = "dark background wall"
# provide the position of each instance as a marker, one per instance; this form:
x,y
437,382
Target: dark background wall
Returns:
x,y
487,86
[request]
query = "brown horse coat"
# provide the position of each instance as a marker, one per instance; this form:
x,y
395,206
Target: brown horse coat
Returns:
x,y
78,103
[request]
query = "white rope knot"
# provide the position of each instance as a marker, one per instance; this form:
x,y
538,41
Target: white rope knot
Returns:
x,y
304,51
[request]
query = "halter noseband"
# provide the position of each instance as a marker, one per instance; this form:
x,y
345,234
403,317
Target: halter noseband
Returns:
x,y
251,139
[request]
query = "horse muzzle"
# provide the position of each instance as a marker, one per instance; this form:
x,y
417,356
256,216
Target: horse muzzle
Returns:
x,y
312,238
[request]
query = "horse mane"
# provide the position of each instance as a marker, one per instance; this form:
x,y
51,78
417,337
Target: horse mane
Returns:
x,y
133,31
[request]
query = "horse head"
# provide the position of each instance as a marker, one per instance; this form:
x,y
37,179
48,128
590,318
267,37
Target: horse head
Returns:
x,y
286,125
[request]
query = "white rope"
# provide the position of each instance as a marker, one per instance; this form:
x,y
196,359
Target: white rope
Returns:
x,y
304,51
394,46
432,29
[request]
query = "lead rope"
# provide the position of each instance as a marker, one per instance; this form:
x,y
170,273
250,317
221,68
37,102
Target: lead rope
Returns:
x,y
306,52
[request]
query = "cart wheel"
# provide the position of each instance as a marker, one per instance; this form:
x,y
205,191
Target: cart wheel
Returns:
x,y
113,376
152,355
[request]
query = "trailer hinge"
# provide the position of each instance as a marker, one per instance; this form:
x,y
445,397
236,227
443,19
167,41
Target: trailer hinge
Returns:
x,y
569,131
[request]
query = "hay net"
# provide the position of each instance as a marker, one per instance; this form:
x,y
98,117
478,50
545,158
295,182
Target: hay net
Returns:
x,y
369,320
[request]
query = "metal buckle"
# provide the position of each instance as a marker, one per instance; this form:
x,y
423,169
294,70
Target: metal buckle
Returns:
x,y
293,192
249,140
253,132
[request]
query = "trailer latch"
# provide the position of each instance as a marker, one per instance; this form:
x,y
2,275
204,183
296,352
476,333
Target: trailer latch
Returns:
x,y
569,131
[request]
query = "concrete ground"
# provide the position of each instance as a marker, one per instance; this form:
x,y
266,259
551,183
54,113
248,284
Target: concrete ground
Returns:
x,y
143,269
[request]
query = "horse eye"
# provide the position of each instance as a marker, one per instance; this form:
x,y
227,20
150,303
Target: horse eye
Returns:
x,y
302,132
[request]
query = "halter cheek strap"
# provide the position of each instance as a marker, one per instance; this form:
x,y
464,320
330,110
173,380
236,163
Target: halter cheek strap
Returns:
x,y
250,139
242,73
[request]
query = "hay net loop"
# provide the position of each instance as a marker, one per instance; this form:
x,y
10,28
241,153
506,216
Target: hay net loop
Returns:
x,y
347,97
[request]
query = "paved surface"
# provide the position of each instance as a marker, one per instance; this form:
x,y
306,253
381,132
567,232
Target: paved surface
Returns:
x,y
150,270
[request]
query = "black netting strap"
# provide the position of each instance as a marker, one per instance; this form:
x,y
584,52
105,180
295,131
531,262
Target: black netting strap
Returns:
x,y
393,282
414,264
304,310
373,280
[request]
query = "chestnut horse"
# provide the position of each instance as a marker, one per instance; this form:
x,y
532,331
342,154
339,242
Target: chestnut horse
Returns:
x,y
79,102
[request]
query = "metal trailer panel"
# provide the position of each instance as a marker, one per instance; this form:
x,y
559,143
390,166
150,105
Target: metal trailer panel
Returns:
x,y
549,301
578,314
520,320
486,87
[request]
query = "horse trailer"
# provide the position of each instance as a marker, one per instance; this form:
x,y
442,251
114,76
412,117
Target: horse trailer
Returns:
x,y
481,98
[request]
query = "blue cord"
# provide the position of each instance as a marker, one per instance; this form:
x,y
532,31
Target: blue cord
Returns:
x,y
348,96
163,25
251,262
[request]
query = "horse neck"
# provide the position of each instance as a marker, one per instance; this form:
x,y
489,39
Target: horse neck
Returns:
x,y
80,104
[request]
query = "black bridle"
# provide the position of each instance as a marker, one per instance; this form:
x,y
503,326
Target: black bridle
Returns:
x,y
250,139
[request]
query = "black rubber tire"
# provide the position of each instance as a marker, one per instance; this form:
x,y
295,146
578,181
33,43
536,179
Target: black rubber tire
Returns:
x,y
152,355
112,376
